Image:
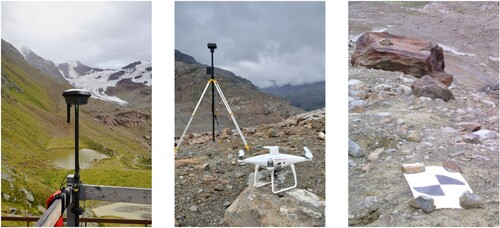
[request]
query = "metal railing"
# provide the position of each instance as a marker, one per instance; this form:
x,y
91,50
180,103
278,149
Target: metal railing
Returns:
x,y
29,220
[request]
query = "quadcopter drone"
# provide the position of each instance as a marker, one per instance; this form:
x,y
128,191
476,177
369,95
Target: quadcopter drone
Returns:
x,y
273,161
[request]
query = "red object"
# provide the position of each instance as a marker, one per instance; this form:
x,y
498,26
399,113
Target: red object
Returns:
x,y
49,202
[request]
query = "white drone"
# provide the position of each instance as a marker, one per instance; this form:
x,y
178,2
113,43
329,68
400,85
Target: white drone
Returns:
x,y
275,160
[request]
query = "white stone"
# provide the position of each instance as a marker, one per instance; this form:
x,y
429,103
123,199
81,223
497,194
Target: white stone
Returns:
x,y
353,82
486,134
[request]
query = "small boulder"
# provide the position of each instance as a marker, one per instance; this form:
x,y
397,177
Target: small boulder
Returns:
x,y
470,200
355,150
413,168
469,126
426,203
432,88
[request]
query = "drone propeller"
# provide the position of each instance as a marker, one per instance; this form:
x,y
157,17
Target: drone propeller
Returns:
x,y
307,153
273,149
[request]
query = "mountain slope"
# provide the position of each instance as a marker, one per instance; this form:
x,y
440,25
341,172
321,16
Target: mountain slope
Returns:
x,y
46,66
34,127
309,96
250,106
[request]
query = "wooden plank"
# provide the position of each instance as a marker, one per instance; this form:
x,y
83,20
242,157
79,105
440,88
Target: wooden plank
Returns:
x,y
50,217
115,194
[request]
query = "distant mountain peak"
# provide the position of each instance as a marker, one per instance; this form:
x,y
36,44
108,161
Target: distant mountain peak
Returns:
x,y
42,64
179,56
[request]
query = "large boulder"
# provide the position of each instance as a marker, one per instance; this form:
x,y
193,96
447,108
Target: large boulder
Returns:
x,y
432,88
381,50
260,207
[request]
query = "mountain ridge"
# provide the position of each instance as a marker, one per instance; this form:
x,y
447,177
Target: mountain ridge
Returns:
x,y
250,106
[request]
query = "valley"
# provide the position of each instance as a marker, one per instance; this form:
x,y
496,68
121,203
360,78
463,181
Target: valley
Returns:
x,y
34,131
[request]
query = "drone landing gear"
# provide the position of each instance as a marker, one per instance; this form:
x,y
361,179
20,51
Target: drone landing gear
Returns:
x,y
272,180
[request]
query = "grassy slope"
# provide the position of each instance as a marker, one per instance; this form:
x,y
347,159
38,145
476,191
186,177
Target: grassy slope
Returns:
x,y
34,122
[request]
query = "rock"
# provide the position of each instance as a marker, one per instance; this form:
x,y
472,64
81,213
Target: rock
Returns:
x,y
352,163
429,87
250,130
375,154
321,136
226,204
6,197
357,103
28,195
260,207
382,87
381,50
230,156
366,167
289,122
239,175
219,187
206,166
471,138
414,136
193,208
13,210
486,134
7,177
273,133
426,203
226,133
358,109
353,82
449,130
442,77
470,200
355,150
406,90
413,168
451,166
364,212
469,126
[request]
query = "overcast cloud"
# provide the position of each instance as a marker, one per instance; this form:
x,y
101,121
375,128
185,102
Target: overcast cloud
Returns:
x,y
265,42
99,34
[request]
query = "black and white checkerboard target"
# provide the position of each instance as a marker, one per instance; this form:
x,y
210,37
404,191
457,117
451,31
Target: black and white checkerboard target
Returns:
x,y
443,186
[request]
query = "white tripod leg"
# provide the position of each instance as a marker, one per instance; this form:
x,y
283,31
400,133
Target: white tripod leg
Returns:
x,y
247,147
255,178
284,189
192,116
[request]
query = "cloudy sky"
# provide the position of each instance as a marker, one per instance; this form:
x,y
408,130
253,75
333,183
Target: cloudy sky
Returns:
x,y
99,34
265,42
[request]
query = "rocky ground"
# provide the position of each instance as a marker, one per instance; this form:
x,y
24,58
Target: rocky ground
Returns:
x,y
208,177
393,127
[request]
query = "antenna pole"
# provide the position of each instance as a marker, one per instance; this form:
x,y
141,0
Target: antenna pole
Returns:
x,y
213,100
76,193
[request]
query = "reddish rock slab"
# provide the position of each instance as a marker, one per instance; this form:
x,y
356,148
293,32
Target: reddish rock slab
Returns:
x,y
381,50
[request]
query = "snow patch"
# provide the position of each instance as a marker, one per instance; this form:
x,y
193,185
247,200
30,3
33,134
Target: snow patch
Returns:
x,y
454,51
97,82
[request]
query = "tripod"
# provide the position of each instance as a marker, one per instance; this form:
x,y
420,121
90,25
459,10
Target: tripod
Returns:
x,y
219,90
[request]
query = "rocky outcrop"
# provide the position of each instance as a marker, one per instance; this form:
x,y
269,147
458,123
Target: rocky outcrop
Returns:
x,y
260,207
129,119
430,87
381,50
